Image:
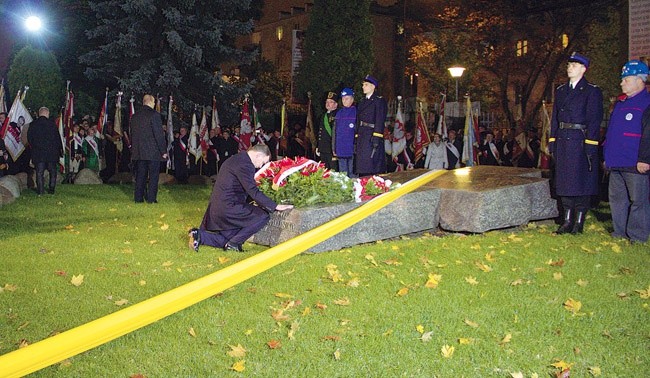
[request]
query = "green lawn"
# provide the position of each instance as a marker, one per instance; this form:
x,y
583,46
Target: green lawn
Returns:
x,y
380,310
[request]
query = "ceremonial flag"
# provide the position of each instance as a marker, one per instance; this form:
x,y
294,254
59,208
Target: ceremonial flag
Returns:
x,y
11,136
469,138
545,155
117,123
101,122
158,103
59,122
284,130
442,125
399,135
3,100
204,137
132,107
216,125
170,134
421,135
245,128
69,112
309,128
193,145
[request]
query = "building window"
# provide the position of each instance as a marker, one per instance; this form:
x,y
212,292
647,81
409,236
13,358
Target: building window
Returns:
x,y
279,32
565,41
522,47
256,38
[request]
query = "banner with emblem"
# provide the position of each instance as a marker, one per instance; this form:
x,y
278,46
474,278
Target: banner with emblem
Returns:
x,y
11,135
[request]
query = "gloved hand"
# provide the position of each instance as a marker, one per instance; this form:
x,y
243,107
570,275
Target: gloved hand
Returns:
x,y
317,152
592,156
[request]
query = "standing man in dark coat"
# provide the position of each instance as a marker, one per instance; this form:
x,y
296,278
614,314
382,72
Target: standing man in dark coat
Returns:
x,y
148,149
324,149
180,149
371,113
575,130
230,218
45,141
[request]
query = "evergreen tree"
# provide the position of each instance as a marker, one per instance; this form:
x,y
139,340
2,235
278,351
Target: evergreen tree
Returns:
x,y
338,47
40,71
169,47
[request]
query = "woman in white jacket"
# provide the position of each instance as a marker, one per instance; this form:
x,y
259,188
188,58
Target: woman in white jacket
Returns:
x,y
436,154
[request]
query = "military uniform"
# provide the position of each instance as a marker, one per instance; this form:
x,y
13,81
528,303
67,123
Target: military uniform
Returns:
x,y
325,139
575,129
370,154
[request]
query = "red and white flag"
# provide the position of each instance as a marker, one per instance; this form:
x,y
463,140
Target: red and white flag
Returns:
x,y
216,124
421,135
194,133
117,122
170,134
204,137
245,127
61,127
11,135
101,122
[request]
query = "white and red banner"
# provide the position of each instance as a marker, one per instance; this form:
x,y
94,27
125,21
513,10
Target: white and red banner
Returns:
x,y
11,135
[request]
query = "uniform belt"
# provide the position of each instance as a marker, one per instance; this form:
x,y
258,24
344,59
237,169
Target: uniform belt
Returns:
x,y
575,126
366,124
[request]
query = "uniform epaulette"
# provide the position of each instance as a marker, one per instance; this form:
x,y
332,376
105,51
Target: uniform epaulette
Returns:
x,y
560,86
593,85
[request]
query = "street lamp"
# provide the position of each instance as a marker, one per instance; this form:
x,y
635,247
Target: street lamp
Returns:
x,y
456,73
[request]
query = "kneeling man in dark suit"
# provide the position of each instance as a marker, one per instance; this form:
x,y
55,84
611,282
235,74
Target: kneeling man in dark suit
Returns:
x,y
231,218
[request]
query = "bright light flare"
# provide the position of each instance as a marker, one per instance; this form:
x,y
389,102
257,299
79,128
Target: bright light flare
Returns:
x,y
33,23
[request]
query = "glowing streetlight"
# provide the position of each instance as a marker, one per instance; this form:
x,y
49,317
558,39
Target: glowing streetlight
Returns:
x,y
456,73
33,23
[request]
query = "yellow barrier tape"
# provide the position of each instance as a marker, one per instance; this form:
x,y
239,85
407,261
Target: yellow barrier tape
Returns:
x,y
97,332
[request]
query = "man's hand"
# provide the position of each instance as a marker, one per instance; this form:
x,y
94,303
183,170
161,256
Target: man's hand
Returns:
x,y
164,156
642,167
317,152
283,207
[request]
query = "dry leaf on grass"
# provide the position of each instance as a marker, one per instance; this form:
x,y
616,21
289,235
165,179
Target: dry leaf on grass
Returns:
x,y
238,366
237,351
191,332
426,337
471,323
121,302
433,281
274,344
337,355
572,306
471,280
402,292
77,280
447,351
342,302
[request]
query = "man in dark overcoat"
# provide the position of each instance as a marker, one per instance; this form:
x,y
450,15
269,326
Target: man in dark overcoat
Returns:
x,y
231,218
45,141
148,149
575,130
326,125
180,151
371,114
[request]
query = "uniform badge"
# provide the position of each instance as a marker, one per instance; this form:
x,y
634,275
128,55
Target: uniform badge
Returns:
x,y
351,125
628,116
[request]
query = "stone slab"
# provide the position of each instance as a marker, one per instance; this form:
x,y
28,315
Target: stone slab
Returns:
x,y
87,176
475,199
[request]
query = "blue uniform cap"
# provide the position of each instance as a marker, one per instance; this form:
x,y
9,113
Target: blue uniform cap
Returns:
x,y
633,68
371,80
575,57
347,92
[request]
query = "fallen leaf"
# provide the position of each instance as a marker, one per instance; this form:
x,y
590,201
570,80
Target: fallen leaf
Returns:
x,y
332,338
320,306
69,227
506,339
402,292
293,329
77,280
516,282
483,267
164,227
306,311
581,283
595,371
11,287
100,269
426,337
279,315
388,333
371,258
557,276
558,263
447,351
392,261
572,305
121,302
616,248
23,343
138,375
517,374
238,366
471,280
342,302
274,344
433,281
237,351
354,282
561,364
471,323
191,332
248,332
644,294
334,274
167,263
337,355
142,282
60,273
419,328
465,340
152,242
223,259
283,295
489,257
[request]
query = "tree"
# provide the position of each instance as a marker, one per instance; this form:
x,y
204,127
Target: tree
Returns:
x,y
515,51
338,47
39,70
169,47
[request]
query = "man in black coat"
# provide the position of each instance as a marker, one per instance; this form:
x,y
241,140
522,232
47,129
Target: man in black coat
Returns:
x,y
324,149
230,218
45,141
371,114
148,149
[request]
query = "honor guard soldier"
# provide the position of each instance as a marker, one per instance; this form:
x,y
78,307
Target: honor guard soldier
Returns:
x,y
575,129
370,153
324,148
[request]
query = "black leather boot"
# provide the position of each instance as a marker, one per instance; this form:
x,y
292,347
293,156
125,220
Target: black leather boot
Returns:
x,y
579,222
568,224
